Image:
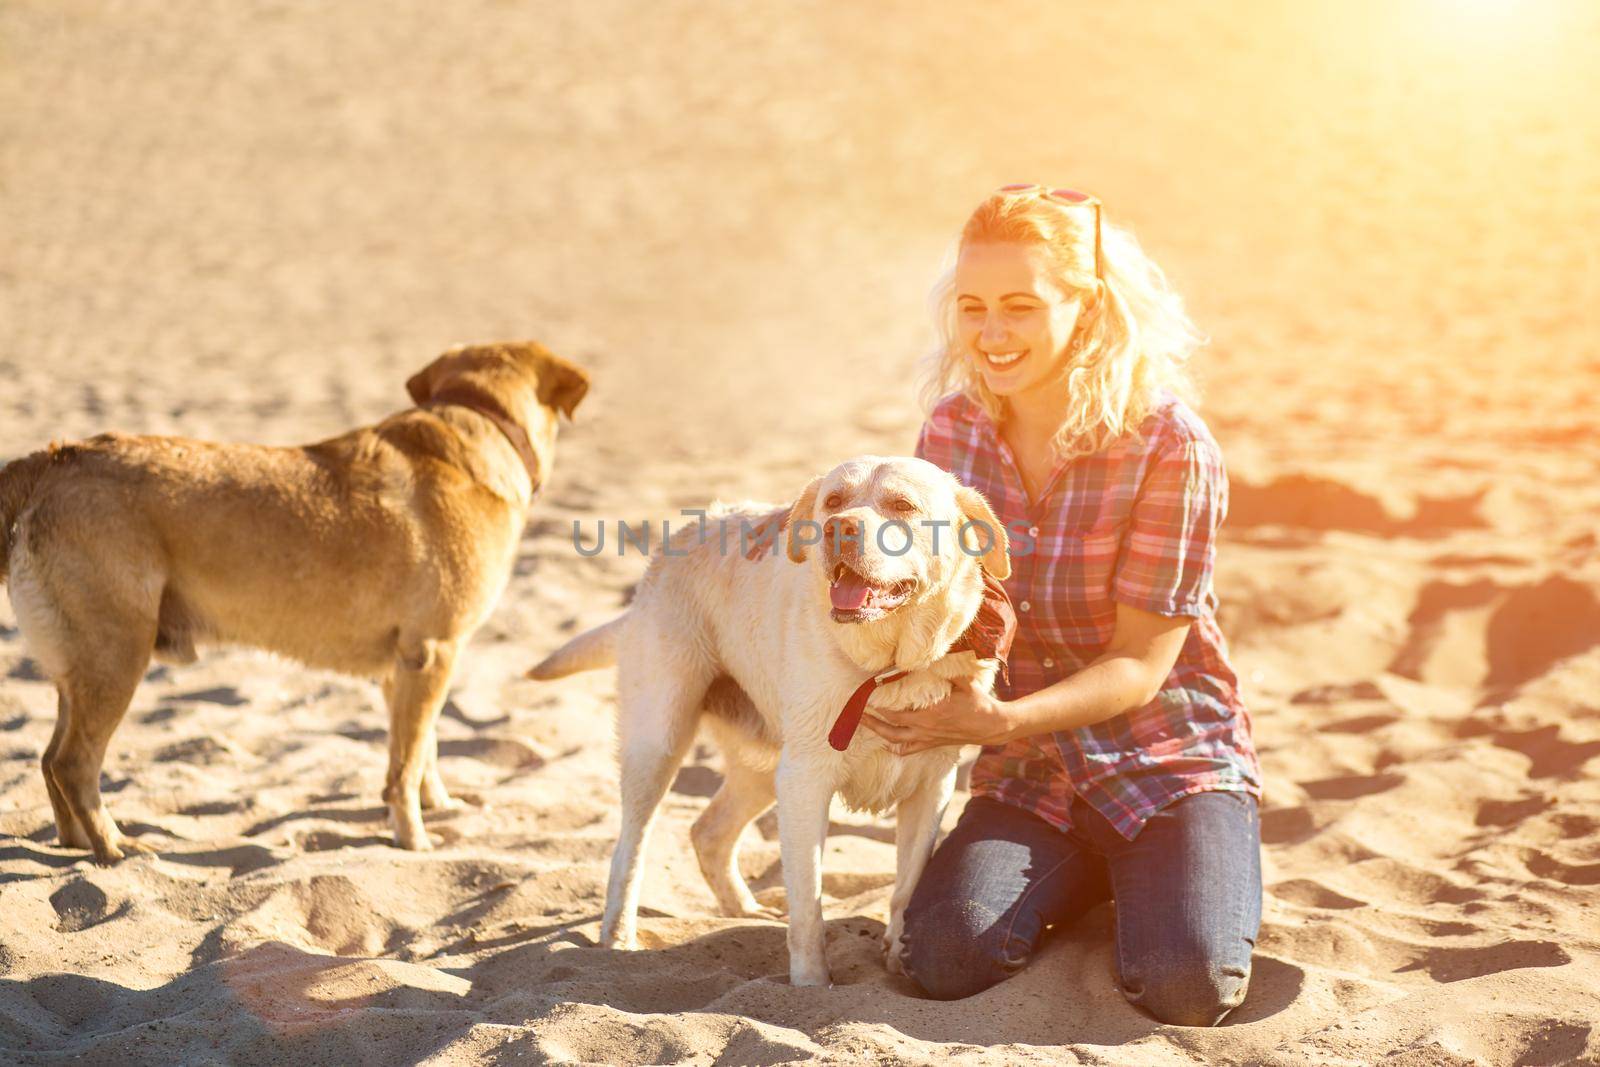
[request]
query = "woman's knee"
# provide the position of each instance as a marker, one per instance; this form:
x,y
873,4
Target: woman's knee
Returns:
x,y
1190,989
956,948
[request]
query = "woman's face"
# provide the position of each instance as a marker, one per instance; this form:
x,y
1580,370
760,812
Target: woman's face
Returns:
x,y
1013,318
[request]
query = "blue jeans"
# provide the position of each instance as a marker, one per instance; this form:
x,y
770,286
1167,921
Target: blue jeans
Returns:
x,y
1187,891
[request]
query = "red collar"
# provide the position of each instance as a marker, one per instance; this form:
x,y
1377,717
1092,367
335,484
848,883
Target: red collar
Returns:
x,y
990,634
462,395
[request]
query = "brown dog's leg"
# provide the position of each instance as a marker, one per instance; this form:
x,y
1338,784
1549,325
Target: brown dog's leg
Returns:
x,y
95,695
435,797
416,692
434,794
68,830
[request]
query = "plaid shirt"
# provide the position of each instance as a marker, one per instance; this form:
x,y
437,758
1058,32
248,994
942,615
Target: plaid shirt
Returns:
x,y
1136,525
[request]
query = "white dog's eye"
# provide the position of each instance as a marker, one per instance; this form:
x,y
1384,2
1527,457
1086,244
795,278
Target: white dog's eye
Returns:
x,y
833,501
903,506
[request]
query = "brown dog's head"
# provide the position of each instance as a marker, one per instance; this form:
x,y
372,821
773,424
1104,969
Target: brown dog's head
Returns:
x,y
522,380
557,384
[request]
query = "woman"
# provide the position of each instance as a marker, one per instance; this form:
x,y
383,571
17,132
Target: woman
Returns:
x,y
1118,760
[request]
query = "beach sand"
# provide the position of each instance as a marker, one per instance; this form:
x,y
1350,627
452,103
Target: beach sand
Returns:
x,y
251,221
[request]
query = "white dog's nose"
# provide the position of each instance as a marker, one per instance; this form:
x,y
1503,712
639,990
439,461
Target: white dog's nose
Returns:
x,y
839,526
839,532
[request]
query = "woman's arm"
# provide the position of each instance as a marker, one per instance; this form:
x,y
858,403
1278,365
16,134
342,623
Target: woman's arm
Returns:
x,y
1127,675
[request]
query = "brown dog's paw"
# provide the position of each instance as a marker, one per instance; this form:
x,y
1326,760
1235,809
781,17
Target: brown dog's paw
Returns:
x,y
116,851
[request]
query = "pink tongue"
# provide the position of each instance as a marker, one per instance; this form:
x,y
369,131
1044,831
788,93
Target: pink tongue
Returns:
x,y
849,593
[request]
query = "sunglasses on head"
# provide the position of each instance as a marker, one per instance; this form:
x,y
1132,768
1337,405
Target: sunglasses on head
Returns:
x,y
1071,198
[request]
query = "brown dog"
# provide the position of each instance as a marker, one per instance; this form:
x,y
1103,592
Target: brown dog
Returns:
x,y
376,554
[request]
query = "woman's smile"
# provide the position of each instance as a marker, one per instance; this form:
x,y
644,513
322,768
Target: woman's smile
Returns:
x,y
1004,359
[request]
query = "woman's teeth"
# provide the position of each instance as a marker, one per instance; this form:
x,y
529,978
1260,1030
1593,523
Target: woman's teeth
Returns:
x,y
1004,359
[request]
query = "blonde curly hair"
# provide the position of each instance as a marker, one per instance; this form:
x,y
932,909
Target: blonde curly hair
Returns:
x,y
1133,337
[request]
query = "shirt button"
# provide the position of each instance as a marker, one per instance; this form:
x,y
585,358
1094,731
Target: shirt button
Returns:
x,y
1033,531
1049,663
1025,606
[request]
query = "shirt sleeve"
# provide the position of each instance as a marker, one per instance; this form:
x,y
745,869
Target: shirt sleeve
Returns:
x,y
1170,549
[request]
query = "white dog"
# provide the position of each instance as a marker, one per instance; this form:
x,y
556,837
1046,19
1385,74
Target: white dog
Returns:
x,y
898,581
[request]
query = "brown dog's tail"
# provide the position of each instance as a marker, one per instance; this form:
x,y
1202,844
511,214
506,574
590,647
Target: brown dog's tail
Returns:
x,y
17,480
589,651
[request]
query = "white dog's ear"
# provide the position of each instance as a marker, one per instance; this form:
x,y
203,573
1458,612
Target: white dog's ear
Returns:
x,y
800,511
986,530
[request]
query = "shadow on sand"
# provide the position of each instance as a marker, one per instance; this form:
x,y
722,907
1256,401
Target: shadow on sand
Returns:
x,y
279,1003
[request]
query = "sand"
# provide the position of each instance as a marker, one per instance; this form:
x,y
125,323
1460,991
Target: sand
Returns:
x,y
252,220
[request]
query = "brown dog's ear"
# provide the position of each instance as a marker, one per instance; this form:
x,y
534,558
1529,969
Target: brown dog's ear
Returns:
x,y
561,384
986,529
420,385
800,511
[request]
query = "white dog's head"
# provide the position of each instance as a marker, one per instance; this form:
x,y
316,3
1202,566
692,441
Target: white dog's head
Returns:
x,y
892,532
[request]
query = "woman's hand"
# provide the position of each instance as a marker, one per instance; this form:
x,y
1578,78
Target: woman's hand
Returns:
x,y
968,716
1127,675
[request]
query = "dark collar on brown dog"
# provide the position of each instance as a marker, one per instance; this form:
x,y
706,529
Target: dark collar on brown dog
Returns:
x,y
465,396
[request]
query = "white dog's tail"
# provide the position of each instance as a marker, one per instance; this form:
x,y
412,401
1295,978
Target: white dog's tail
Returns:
x,y
589,651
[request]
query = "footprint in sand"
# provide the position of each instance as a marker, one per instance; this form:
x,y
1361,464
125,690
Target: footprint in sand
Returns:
x,y
1351,786
1308,501
1310,894
1549,754
1569,873
80,904
1487,634
1453,964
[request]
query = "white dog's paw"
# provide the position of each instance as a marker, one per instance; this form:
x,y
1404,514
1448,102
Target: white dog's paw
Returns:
x,y
918,691
621,940
414,841
817,977
440,802
409,833
894,956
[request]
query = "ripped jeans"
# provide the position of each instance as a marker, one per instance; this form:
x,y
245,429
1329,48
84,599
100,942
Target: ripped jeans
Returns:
x,y
1187,891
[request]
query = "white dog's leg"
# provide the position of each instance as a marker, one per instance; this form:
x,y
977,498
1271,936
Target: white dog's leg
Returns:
x,y
745,794
916,827
803,795
655,724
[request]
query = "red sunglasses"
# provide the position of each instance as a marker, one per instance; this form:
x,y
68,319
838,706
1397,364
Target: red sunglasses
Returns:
x,y
1071,198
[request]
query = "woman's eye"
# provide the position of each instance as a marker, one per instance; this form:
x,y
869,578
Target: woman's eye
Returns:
x,y
972,310
1021,309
